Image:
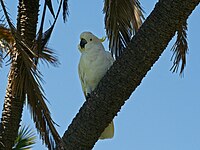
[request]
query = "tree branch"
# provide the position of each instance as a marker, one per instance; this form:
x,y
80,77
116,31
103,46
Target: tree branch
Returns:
x,y
126,73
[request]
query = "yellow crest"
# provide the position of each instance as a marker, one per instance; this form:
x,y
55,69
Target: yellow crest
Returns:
x,y
103,39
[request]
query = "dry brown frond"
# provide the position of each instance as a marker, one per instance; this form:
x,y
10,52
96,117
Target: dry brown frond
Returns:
x,y
180,49
40,113
6,35
48,56
28,81
122,21
6,41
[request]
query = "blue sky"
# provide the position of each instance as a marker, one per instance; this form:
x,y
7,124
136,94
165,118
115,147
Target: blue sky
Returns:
x,y
163,112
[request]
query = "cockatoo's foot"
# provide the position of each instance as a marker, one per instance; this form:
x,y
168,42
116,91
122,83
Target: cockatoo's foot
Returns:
x,y
87,96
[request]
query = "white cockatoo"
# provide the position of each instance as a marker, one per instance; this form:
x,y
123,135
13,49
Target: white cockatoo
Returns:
x,y
93,65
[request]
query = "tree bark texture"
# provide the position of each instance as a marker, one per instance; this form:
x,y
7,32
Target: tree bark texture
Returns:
x,y
126,73
11,114
13,103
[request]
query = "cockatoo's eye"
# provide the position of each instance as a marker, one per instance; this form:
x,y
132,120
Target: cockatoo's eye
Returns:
x,y
90,39
82,43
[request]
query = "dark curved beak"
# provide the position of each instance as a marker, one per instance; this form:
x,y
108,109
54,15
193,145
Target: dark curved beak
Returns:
x,y
82,43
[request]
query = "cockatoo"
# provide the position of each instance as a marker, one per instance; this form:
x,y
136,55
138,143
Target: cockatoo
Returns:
x,y
93,65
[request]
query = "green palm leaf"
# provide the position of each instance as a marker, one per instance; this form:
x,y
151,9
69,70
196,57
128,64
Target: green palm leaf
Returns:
x,y
25,139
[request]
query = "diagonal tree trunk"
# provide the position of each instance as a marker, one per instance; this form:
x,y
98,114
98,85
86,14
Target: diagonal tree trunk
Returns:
x,y
14,100
126,73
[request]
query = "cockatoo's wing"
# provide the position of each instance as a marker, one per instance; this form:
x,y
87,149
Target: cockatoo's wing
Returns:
x,y
82,70
81,77
110,58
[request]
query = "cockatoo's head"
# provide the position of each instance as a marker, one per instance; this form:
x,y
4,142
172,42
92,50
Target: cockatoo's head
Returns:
x,y
88,41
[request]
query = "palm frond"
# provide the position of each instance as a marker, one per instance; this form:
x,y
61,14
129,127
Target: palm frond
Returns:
x,y
65,10
40,113
25,139
9,35
49,57
6,35
38,44
17,38
122,21
43,37
180,49
47,34
49,4
27,81
6,41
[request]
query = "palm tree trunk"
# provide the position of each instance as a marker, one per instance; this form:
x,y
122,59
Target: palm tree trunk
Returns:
x,y
13,104
126,73
11,114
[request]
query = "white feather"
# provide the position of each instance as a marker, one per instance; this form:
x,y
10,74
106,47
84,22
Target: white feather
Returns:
x,y
93,65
